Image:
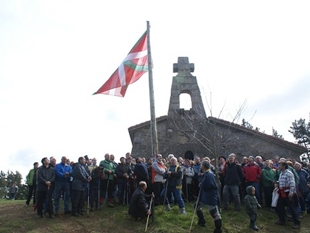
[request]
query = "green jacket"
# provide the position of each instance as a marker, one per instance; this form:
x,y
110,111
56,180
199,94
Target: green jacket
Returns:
x,y
108,165
30,177
268,177
250,202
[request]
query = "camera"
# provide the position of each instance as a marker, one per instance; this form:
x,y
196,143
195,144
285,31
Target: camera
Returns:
x,y
86,157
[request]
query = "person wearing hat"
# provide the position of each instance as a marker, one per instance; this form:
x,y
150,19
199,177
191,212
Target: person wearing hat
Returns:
x,y
287,197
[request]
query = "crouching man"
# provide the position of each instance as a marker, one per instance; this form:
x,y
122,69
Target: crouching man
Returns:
x,y
139,207
209,198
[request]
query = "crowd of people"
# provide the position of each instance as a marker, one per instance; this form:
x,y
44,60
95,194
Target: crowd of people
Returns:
x,y
277,183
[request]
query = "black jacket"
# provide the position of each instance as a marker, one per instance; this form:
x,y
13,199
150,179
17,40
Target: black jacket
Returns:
x,y
80,177
138,207
233,174
120,170
45,174
97,176
141,172
175,178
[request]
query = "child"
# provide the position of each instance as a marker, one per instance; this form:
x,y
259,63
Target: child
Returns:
x,y
252,206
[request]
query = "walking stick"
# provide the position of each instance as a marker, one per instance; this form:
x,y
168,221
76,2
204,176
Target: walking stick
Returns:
x,y
148,216
87,212
125,190
186,188
197,202
128,191
165,193
98,193
106,192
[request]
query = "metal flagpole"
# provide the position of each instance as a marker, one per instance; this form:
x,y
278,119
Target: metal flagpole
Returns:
x,y
154,138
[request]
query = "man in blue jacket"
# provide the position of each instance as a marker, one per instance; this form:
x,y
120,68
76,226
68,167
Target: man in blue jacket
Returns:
x,y
62,184
209,198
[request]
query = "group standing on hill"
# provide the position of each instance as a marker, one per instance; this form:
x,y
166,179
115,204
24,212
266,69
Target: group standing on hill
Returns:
x,y
279,184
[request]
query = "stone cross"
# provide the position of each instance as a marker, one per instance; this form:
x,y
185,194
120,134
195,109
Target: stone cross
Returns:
x,y
183,66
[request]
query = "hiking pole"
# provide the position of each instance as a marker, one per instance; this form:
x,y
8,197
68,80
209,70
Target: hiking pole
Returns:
x,y
87,212
196,204
125,190
128,191
148,216
165,193
186,189
106,192
98,193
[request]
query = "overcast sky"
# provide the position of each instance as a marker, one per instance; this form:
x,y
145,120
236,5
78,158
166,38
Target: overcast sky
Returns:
x,y
55,54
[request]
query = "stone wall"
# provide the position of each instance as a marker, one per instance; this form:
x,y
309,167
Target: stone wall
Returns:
x,y
189,133
241,142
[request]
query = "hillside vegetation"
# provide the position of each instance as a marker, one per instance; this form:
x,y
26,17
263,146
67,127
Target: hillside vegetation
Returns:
x,y
14,217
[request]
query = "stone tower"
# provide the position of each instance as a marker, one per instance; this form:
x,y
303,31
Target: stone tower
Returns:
x,y
182,123
185,82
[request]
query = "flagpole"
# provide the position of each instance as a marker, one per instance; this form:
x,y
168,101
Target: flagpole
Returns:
x,y
154,144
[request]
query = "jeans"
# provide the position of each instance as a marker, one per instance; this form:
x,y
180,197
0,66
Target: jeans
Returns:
x,y
59,188
253,218
49,198
291,204
176,194
234,189
123,195
292,207
31,190
12,196
307,202
78,201
107,188
157,188
268,195
44,201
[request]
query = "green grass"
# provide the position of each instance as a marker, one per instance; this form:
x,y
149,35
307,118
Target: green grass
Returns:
x,y
14,217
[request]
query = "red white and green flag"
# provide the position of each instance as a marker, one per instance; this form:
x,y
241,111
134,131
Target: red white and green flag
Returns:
x,y
131,69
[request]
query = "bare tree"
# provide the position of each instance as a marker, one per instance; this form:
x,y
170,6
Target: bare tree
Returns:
x,y
206,132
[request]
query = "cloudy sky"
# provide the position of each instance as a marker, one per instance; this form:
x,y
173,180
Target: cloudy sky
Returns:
x,y
55,54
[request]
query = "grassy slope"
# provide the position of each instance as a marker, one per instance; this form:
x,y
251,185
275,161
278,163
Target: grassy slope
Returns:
x,y
16,218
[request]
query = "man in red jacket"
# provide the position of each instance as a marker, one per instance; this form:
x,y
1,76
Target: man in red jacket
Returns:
x,y
252,173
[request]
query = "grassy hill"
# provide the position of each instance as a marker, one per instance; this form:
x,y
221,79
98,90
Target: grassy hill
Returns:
x,y
14,217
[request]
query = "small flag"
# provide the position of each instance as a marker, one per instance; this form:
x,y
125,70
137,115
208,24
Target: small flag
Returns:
x,y
131,69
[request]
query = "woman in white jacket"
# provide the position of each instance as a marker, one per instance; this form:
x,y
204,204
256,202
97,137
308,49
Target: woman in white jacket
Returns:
x,y
188,176
158,171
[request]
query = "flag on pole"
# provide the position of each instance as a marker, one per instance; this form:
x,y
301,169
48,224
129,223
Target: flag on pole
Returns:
x,y
131,69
